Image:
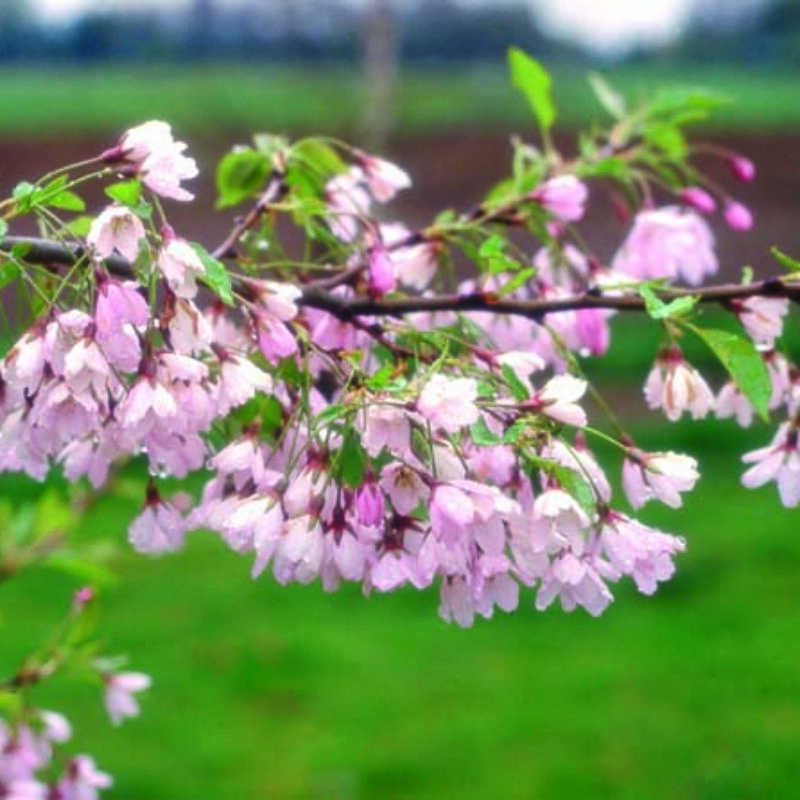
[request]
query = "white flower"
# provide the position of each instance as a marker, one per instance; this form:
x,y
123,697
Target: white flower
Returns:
x,y
116,228
180,265
449,403
119,696
668,242
675,387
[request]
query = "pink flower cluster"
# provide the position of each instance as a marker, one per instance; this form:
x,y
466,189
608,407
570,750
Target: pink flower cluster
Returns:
x,y
29,771
442,449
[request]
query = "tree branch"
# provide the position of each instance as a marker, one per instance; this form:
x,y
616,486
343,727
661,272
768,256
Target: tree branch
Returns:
x,y
317,295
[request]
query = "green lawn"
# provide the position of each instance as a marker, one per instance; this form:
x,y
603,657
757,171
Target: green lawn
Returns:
x,y
269,692
58,101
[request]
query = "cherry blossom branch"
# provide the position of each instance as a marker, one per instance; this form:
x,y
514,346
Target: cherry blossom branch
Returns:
x,y
316,295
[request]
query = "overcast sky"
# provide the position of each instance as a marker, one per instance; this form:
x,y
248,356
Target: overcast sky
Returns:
x,y
604,25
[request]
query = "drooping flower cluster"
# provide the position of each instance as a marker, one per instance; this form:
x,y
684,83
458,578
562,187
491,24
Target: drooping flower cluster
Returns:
x,y
386,447
29,769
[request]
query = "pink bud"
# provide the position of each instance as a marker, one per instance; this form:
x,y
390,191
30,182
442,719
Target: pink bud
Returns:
x,y
742,168
699,198
84,596
738,216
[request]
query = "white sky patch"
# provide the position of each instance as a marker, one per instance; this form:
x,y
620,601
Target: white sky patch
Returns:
x,y
612,26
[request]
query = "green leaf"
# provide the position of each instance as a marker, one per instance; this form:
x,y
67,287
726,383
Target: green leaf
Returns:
x,y
745,365
9,271
80,226
668,139
352,460
787,262
519,280
66,200
575,484
24,193
217,277
611,100
321,157
128,193
531,78
518,390
482,435
329,414
658,309
572,482
492,253
240,174
3,229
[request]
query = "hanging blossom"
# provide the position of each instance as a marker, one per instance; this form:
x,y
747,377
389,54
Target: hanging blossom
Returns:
x,y
446,456
668,242
675,387
33,766
150,151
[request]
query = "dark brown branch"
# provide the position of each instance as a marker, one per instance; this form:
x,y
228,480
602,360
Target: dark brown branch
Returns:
x,y
317,295
275,189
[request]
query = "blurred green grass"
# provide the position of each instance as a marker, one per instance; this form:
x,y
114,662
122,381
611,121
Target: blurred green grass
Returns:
x,y
204,99
270,692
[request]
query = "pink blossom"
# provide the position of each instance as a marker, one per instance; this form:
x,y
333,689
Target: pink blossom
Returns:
x,y
369,504
386,426
416,265
668,243
136,144
732,403
82,781
384,179
119,694
189,330
698,199
738,216
779,462
181,266
119,304
298,556
151,150
563,196
404,486
275,340
240,379
381,271
639,551
660,476
116,228
159,528
558,400
449,403
348,202
762,317
675,387
279,300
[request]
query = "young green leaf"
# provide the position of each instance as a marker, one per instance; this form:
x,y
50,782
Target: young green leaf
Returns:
x,y
217,277
611,100
353,460
517,388
9,271
482,435
240,175
744,364
128,193
789,263
658,309
531,78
